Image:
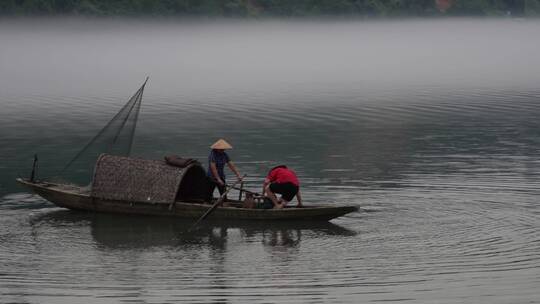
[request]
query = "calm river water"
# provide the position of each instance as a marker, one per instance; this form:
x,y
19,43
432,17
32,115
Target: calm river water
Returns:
x,y
430,127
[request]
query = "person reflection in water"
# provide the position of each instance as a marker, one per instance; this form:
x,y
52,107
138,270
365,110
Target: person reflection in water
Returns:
x,y
281,180
216,164
282,238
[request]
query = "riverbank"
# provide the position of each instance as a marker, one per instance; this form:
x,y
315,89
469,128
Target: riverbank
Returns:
x,y
271,8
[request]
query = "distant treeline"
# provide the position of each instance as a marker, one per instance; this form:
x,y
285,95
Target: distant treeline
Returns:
x,y
271,8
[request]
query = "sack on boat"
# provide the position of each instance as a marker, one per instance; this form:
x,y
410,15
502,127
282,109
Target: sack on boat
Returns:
x,y
249,201
177,161
265,204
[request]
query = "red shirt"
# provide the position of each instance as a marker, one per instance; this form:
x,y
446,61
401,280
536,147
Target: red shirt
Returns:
x,y
283,175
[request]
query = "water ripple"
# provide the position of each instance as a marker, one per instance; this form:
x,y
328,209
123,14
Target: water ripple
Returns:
x,y
447,180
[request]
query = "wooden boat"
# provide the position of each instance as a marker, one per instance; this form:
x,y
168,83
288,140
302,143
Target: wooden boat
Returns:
x,y
123,184
152,187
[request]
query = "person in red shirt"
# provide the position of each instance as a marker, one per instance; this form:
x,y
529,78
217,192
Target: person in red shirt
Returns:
x,y
282,180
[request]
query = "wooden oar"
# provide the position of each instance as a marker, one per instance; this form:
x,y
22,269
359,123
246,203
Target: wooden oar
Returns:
x,y
219,201
247,191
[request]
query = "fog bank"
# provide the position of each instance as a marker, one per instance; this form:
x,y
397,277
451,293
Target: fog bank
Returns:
x,y
83,54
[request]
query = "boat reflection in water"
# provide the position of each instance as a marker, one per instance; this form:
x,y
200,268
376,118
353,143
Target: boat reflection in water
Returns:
x,y
114,231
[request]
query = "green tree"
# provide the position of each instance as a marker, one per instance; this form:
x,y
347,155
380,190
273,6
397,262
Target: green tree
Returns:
x,y
246,8
7,7
532,8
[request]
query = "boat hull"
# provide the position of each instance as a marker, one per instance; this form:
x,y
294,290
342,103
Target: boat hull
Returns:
x,y
74,198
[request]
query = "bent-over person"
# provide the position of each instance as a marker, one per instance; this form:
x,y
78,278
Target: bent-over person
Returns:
x,y
284,181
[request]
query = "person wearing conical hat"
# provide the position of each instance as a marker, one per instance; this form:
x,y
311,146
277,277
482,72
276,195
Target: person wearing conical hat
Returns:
x,y
217,160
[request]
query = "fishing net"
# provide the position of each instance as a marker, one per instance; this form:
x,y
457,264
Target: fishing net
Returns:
x,y
115,138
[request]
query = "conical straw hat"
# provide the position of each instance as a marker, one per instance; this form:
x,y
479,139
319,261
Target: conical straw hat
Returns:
x,y
221,144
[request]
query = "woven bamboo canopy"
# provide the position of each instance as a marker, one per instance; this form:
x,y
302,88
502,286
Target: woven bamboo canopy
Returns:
x,y
141,180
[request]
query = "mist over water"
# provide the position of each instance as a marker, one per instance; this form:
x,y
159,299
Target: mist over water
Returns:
x,y
430,126
245,55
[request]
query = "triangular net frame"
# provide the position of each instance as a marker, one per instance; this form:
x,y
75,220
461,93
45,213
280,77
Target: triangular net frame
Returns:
x,y
115,138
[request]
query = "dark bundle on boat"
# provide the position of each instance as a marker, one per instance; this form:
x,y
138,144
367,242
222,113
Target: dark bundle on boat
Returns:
x,y
177,161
